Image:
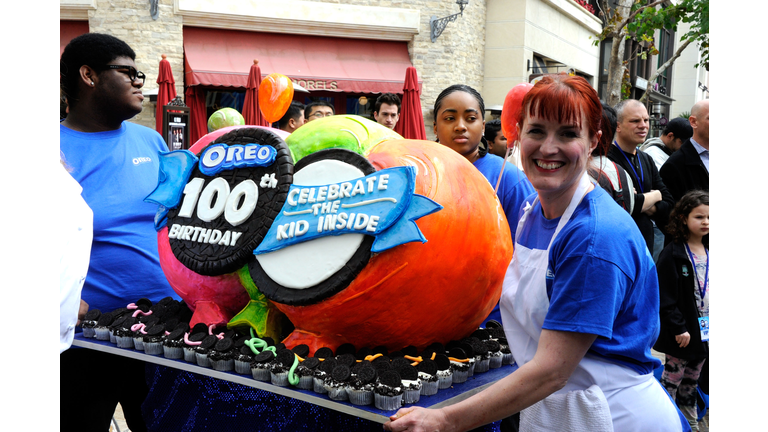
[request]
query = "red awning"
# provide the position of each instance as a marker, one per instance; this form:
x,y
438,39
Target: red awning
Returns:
x,y
69,30
222,58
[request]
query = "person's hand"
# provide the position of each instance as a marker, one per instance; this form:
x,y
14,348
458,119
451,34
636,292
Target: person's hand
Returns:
x,y
683,339
417,419
82,311
649,204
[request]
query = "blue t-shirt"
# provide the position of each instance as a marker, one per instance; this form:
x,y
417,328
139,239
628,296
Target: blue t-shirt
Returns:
x,y
514,187
117,170
600,280
513,190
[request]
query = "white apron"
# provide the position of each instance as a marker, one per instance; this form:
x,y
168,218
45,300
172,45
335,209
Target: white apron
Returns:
x,y
599,396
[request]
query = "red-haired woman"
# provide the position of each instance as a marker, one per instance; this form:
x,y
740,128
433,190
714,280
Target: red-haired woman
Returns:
x,y
580,302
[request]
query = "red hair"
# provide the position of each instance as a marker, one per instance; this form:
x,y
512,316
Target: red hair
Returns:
x,y
563,98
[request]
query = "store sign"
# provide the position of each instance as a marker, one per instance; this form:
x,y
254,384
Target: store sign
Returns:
x,y
316,84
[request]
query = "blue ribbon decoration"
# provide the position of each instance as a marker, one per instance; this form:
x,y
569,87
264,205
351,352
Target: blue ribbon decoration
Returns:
x,y
175,169
382,204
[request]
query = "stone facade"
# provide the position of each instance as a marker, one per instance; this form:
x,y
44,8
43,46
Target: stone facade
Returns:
x,y
456,57
130,21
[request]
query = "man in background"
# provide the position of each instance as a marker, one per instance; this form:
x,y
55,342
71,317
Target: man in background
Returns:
x,y
293,118
387,110
677,131
317,110
688,168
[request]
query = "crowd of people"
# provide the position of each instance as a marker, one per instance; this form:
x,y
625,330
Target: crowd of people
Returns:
x,y
611,259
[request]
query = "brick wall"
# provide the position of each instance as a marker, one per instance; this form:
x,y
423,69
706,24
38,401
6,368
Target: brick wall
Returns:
x,y
130,21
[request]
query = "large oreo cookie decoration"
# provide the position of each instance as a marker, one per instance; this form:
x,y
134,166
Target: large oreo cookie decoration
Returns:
x,y
231,197
328,264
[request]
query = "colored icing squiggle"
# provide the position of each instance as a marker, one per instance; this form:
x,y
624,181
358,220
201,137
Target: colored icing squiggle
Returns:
x,y
138,327
189,342
132,306
293,379
139,311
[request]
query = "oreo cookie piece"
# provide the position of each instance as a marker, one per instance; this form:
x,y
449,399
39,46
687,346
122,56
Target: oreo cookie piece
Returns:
x,y
199,328
327,365
437,347
399,362
492,324
311,362
176,334
264,357
197,337
182,325
215,230
345,348
286,357
481,334
209,342
427,366
171,324
478,347
381,363
167,300
245,350
442,362
155,330
346,359
467,348
301,350
92,315
324,353
268,340
408,372
105,319
224,345
396,354
390,378
410,351
340,373
457,353
492,345
365,375
381,349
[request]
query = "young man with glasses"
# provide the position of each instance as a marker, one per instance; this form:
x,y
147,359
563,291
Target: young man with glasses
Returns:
x,y
116,164
317,110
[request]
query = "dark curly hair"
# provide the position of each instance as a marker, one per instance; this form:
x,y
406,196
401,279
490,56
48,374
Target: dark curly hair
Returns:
x,y
483,150
389,99
676,226
91,49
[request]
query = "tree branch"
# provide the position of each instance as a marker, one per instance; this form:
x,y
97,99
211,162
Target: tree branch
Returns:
x,y
635,13
664,67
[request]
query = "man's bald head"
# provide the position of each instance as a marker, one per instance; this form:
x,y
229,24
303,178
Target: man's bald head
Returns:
x,y
700,122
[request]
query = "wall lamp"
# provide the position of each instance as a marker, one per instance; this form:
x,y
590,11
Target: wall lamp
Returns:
x,y
437,25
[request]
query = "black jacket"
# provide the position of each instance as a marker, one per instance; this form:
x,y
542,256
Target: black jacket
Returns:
x,y
678,310
651,181
684,171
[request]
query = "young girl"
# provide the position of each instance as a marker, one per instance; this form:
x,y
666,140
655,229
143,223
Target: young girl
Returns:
x,y
683,269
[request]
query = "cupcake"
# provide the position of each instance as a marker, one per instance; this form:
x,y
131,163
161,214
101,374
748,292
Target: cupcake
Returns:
x,y
482,356
323,371
506,353
444,372
388,391
459,365
306,373
494,350
173,344
153,340
202,350
260,366
467,347
243,358
280,366
89,323
336,384
221,356
191,342
409,378
102,326
428,377
361,383
123,333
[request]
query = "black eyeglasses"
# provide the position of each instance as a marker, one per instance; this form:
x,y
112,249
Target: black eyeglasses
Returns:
x,y
133,74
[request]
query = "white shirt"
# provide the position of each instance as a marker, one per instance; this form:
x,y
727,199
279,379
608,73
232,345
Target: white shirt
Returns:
x,y
75,234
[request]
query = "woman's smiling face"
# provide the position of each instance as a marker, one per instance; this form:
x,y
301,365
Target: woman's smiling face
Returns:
x,y
555,155
459,124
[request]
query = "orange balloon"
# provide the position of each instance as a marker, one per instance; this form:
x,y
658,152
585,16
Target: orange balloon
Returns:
x,y
275,96
510,113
